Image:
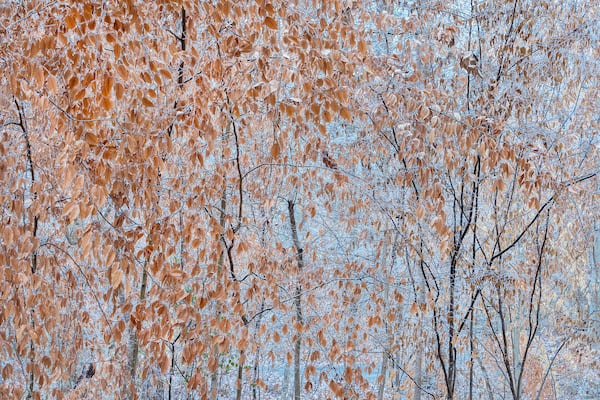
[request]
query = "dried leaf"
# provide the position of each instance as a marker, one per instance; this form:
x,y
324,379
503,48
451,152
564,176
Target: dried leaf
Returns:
x,y
271,23
91,139
115,278
275,149
146,102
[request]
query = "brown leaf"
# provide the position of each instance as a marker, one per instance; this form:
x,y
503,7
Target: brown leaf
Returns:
x,y
328,161
420,211
91,139
270,22
345,113
70,22
362,47
275,149
469,62
115,278
107,86
146,102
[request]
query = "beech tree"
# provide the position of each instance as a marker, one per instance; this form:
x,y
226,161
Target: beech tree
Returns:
x,y
360,200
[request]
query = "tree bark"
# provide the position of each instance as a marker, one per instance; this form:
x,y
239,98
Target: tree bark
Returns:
x,y
419,372
214,377
387,351
134,343
383,375
486,379
255,368
240,375
286,382
34,230
297,301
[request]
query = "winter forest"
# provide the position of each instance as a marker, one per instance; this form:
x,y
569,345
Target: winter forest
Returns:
x,y
230,199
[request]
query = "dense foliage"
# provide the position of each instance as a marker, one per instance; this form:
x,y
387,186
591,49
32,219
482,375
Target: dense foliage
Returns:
x,y
361,200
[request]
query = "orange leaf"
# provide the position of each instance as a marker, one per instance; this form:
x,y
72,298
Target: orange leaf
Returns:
x,y
91,139
420,211
414,308
119,90
213,364
123,73
362,47
345,113
117,50
322,340
275,149
164,363
146,102
115,278
270,22
108,85
166,73
110,256
146,77
315,356
52,84
79,95
39,76
70,22
336,388
106,103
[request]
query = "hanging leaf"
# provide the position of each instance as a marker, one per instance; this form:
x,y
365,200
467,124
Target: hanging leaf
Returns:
x,y
275,149
116,277
270,23
146,102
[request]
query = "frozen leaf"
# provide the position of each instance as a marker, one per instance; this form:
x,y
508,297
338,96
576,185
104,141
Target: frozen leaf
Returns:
x,y
271,23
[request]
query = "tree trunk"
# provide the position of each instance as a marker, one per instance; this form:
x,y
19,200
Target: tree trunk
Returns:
x,y
240,375
388,327
486,378
34,221
595,257
382,375
297,377
214,377
471,354
133,339
516,350
286,382
255,368
297,301
418,373
418,383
